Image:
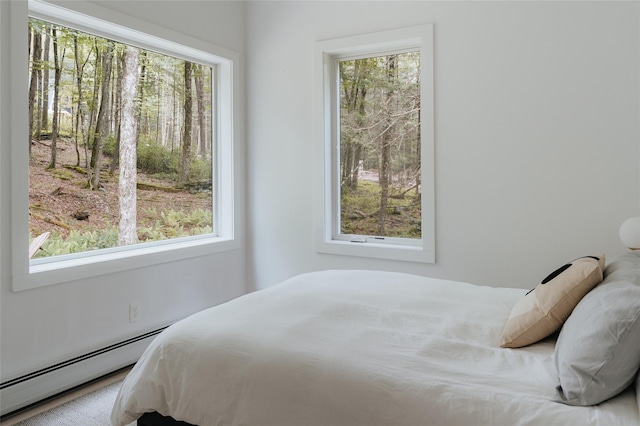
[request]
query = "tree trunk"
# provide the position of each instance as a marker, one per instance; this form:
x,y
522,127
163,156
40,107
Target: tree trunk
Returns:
x,y
93,125
127,183
102,125
385,149
159,125
33,85
81,111
56,98
346,158
114,108
44,122
118,116
418,152
359,146
357,161
186,138
174,116
354,80
142,58
38,101
200,102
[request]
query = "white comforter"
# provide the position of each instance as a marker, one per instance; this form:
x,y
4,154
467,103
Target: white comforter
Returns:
x,y
347,348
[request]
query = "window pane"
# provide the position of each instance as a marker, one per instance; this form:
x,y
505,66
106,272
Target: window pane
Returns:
x,y
380,146
92,100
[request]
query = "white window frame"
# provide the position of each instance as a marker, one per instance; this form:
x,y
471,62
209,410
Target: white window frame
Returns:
x,y
328,238
93,19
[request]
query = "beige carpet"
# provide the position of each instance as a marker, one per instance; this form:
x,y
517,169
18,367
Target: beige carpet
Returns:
x,y
92,409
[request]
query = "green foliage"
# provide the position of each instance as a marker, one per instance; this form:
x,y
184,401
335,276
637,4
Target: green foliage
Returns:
x,y
161,83
169,224
200,170
77,242
109,146
163,164
176,224
197,218
154,158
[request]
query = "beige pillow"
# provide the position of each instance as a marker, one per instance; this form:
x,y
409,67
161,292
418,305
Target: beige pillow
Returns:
x,y
544,309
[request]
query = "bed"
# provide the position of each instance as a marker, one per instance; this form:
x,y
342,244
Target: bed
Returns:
x,y
348,348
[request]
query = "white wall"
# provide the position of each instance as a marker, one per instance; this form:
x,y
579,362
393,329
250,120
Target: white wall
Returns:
x,y
537,148
537,133
44,326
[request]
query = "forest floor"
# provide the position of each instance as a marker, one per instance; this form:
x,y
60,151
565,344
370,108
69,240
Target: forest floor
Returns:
x,y
60,200
360,208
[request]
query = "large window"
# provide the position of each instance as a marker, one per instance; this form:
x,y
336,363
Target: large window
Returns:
x,y
128,139
376,129
121,149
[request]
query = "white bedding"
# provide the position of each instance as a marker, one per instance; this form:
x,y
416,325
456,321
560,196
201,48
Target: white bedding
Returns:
x,y
347,348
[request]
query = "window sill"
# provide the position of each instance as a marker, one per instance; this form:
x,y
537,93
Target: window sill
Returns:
x,y
377,251
43,272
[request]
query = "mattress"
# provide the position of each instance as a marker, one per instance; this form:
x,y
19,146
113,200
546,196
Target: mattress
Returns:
x,y
348,348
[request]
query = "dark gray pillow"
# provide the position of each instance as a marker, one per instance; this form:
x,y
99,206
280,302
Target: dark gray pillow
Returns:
x,y
638,390
625,267
598,350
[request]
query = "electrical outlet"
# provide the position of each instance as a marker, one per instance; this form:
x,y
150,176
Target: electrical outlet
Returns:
x,y
134,312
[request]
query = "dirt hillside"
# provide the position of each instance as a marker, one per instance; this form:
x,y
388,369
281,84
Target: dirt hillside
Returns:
x,y
60,200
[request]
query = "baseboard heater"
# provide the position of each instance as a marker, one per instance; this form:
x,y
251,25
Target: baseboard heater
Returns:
x,y
26,390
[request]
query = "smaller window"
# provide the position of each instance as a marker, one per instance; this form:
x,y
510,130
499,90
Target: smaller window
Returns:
x,y
375,152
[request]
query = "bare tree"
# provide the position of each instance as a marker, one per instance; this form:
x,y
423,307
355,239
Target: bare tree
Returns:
x,y
57,72
128,173
355,76
141,83
418,148
198,78
44,112
385,148
90,136
118,112
81,110
102,125
186,138
36,64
